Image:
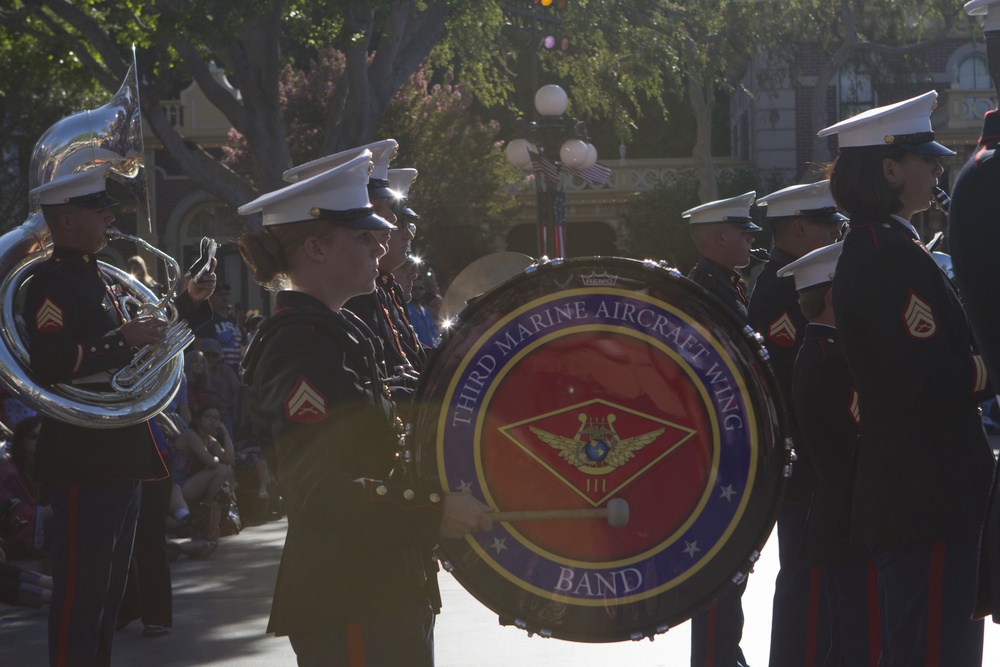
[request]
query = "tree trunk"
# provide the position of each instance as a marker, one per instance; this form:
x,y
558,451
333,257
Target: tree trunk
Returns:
x,y
702,98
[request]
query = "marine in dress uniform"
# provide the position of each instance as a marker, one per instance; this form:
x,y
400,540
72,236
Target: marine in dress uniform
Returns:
x,y
827,410
375,309
356,584
400,181
723,234
924,464
974,236
802,218
77,333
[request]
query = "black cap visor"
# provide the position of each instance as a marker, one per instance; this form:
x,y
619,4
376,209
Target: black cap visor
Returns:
x,y
380,188
930,148
743,223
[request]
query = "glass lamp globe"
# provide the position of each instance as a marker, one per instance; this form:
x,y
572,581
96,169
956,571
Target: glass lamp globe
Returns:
x,y
591,157
574,153
517,152
551,100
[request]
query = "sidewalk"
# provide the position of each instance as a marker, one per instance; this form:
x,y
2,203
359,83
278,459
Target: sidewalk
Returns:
x,y
221,607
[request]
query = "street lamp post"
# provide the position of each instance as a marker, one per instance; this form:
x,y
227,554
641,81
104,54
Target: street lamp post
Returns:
x,y
549,145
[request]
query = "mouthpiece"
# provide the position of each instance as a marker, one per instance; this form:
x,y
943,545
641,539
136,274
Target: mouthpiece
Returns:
x,y
941,200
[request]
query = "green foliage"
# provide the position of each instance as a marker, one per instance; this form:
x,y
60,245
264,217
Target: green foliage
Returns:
x,y
464,192
653,224
465,195
622,57
41,81
652,219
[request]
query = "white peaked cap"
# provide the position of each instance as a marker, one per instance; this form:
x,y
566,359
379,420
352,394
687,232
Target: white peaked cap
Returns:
x,y
735,211
338,195
399,183
814,269
382,154
905,124
988,8
401,179
310,169
810,200
84,188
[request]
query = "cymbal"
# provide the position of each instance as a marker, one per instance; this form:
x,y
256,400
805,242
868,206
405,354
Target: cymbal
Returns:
x,y
481,276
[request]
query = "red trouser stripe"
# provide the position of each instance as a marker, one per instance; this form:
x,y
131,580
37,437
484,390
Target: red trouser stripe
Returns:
x,y
874,624
355,645
710,636
812,621
71,556
935,604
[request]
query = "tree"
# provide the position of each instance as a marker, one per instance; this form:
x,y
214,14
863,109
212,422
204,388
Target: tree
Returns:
x,y
875,44
384,41
38,84
467,191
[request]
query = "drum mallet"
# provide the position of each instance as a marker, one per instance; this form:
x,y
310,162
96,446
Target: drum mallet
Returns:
x,y
616,513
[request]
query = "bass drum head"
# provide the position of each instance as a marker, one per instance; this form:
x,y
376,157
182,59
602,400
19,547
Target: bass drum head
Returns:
x,y
581,381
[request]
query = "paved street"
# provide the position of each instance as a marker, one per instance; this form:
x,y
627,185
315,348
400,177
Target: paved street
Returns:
x,y
221,606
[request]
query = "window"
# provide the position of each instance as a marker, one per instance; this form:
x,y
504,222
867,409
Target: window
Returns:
x,y
855,94
974,74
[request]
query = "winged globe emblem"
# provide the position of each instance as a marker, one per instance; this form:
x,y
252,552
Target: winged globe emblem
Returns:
x,y
596,444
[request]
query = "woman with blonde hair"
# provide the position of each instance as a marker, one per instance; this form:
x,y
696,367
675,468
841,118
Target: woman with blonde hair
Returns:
x,y
136,266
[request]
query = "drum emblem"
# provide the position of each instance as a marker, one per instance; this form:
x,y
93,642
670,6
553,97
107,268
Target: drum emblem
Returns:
x,y
597,461
634,388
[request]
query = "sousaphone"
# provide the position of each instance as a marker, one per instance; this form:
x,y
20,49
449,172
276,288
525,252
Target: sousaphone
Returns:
x,y
111,134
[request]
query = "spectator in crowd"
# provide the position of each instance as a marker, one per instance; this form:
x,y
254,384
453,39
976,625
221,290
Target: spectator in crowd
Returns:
x,y
223,387
17,480
420,317
197,380
204,456
223,328
432,302
136,266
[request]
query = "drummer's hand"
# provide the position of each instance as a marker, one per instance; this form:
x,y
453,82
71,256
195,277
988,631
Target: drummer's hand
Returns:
x,y
464,514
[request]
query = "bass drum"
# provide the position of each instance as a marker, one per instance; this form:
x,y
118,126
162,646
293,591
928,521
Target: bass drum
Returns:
x,y
580,381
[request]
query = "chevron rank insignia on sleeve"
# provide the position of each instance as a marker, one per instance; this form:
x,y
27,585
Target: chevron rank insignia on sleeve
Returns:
x,y
919,318
782,331
49,317
305,404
